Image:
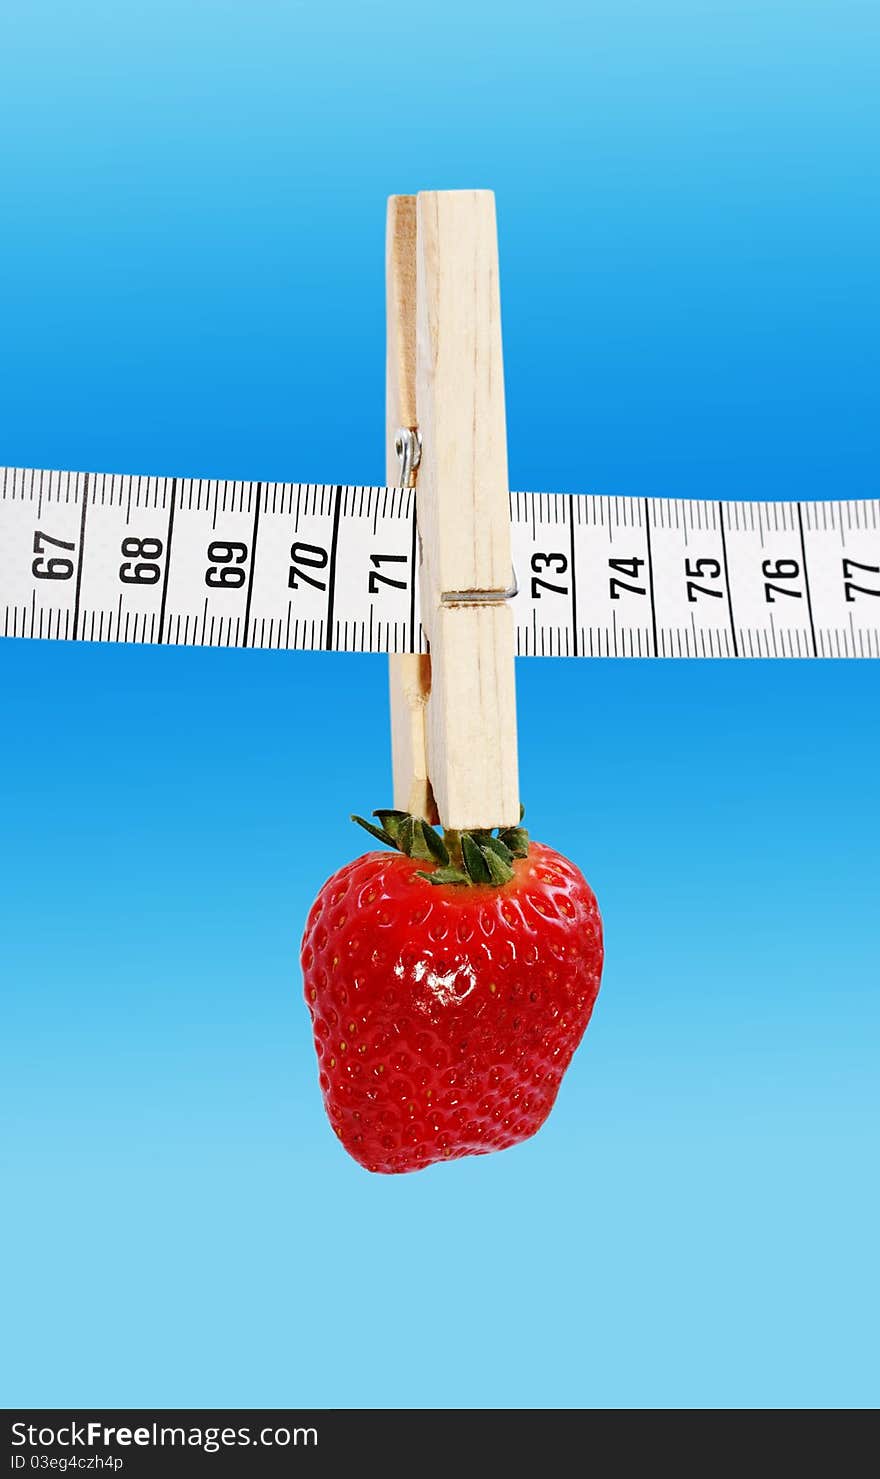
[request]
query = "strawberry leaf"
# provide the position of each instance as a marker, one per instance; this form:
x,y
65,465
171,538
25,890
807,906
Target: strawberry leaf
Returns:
x,y
499,871
517,840
494,844
474,860
405,835
390,821
445,875
439,850
420,848
376,832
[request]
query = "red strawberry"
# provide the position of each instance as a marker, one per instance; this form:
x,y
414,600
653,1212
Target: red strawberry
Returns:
x,y
449,984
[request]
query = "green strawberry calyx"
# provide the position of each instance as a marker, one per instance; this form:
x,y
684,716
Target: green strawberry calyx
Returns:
x,y
465,858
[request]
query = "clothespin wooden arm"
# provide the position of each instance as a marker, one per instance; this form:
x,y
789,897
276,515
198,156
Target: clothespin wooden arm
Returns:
x,y
409,673
454,721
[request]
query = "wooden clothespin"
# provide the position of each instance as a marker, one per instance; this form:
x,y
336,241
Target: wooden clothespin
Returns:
x,y
453,714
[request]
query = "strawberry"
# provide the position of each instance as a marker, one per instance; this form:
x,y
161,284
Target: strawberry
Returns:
x,y
449,983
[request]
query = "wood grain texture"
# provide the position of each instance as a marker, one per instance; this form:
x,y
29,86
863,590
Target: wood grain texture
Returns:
x,y
463,511
400,321
409,686
409,675
472,756
463,487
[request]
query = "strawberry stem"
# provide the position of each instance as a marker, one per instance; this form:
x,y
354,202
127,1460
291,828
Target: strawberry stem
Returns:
x,y
463,858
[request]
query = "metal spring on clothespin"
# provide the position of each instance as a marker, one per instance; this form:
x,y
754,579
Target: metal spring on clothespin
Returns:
x,y
408,446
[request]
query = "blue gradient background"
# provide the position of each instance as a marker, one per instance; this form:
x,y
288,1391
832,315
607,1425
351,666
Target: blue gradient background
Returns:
x,y
191,234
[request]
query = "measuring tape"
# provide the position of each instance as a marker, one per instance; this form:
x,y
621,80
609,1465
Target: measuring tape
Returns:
x,y
98,557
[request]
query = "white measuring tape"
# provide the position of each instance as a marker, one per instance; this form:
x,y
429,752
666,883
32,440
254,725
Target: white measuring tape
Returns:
x,y
96,557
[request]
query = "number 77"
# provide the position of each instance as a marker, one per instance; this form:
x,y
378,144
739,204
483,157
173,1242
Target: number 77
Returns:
x,y
849,584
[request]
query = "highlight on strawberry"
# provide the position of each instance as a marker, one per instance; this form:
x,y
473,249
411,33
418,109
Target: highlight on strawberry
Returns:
x,y
449,982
